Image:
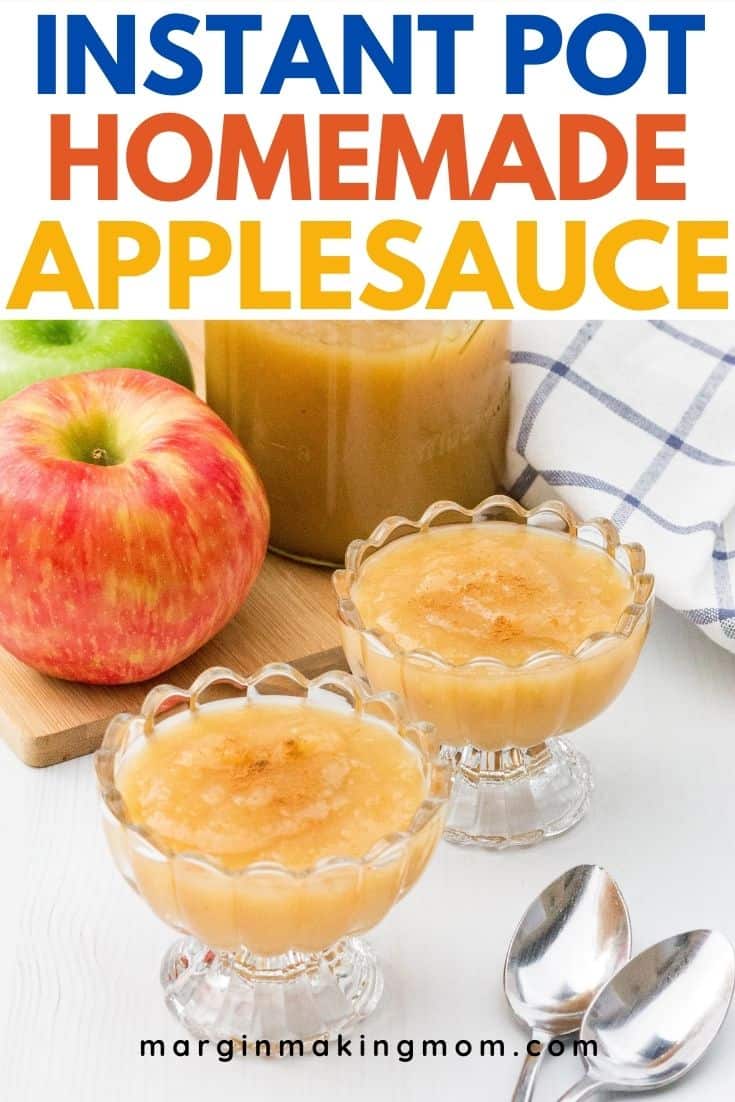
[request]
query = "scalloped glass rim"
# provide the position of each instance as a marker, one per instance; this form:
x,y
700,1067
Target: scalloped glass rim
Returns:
x,y
632,554
160,702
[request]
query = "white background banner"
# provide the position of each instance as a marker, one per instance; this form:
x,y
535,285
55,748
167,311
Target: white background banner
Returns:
x,y
480,57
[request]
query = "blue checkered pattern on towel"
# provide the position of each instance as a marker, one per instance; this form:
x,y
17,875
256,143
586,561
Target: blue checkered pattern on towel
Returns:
x,y
636,421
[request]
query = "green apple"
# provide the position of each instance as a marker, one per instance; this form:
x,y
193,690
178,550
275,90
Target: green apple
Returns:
x,y
34,350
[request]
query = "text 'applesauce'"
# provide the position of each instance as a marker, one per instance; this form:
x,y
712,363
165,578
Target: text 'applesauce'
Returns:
x,y
349,422
281,781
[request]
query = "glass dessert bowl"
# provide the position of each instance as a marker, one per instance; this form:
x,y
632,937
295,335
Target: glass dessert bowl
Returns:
x,y
504,628
271,819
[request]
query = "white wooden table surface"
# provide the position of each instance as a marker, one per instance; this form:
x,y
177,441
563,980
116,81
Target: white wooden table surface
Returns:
x,y
80,952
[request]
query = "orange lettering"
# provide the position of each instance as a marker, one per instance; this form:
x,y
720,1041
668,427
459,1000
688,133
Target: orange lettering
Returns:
x,y
138,159
447,144
512,132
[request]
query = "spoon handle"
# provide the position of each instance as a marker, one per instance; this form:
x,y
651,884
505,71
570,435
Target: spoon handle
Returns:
x,y
527,1079
585,1088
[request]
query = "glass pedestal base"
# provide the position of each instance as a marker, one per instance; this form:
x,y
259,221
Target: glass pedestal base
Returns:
x,y
295,997
516,797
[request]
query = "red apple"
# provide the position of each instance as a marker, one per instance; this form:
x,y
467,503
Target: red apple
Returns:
x,y
132,525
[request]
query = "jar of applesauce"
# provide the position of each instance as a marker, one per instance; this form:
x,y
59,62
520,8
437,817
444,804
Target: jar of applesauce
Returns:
x,y
349,422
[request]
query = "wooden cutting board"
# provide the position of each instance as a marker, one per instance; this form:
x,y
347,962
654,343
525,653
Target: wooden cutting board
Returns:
x,y
290,612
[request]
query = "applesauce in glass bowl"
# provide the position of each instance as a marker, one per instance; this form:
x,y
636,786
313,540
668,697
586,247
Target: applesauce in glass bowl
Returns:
x,y
505,628
350,421
271,819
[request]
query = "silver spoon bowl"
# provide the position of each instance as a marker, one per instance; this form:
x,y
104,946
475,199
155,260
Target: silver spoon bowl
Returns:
x,y
572,939
656,1019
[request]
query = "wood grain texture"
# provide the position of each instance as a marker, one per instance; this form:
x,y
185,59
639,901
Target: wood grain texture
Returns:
x,y
289,613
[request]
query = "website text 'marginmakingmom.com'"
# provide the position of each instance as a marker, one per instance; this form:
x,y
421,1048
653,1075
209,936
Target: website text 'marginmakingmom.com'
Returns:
x,y
404,1049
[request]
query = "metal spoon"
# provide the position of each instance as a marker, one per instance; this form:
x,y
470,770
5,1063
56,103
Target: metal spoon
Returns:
x,y
572,939
658,1016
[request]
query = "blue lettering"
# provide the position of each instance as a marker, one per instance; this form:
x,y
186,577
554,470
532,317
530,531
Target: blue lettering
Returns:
x,y
518,56
677,27
83,39
635,54
234,28
445,27
300,33
190,66
360,39
46,84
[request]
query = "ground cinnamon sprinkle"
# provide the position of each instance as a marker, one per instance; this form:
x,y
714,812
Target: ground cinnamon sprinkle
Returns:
x,y
504,629
498,589
517,585
283,782
506,585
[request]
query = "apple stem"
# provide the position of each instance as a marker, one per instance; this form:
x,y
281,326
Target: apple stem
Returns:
x,y
100,456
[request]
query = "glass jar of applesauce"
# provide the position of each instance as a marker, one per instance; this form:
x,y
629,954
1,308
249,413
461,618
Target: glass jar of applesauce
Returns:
x,y
349,422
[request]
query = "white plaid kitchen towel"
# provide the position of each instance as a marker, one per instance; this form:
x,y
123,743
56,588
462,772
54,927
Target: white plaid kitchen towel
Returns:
x,y
636,421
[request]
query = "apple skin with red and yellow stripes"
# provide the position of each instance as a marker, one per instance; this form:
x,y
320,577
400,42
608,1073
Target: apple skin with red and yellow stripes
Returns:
x,y
132,525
